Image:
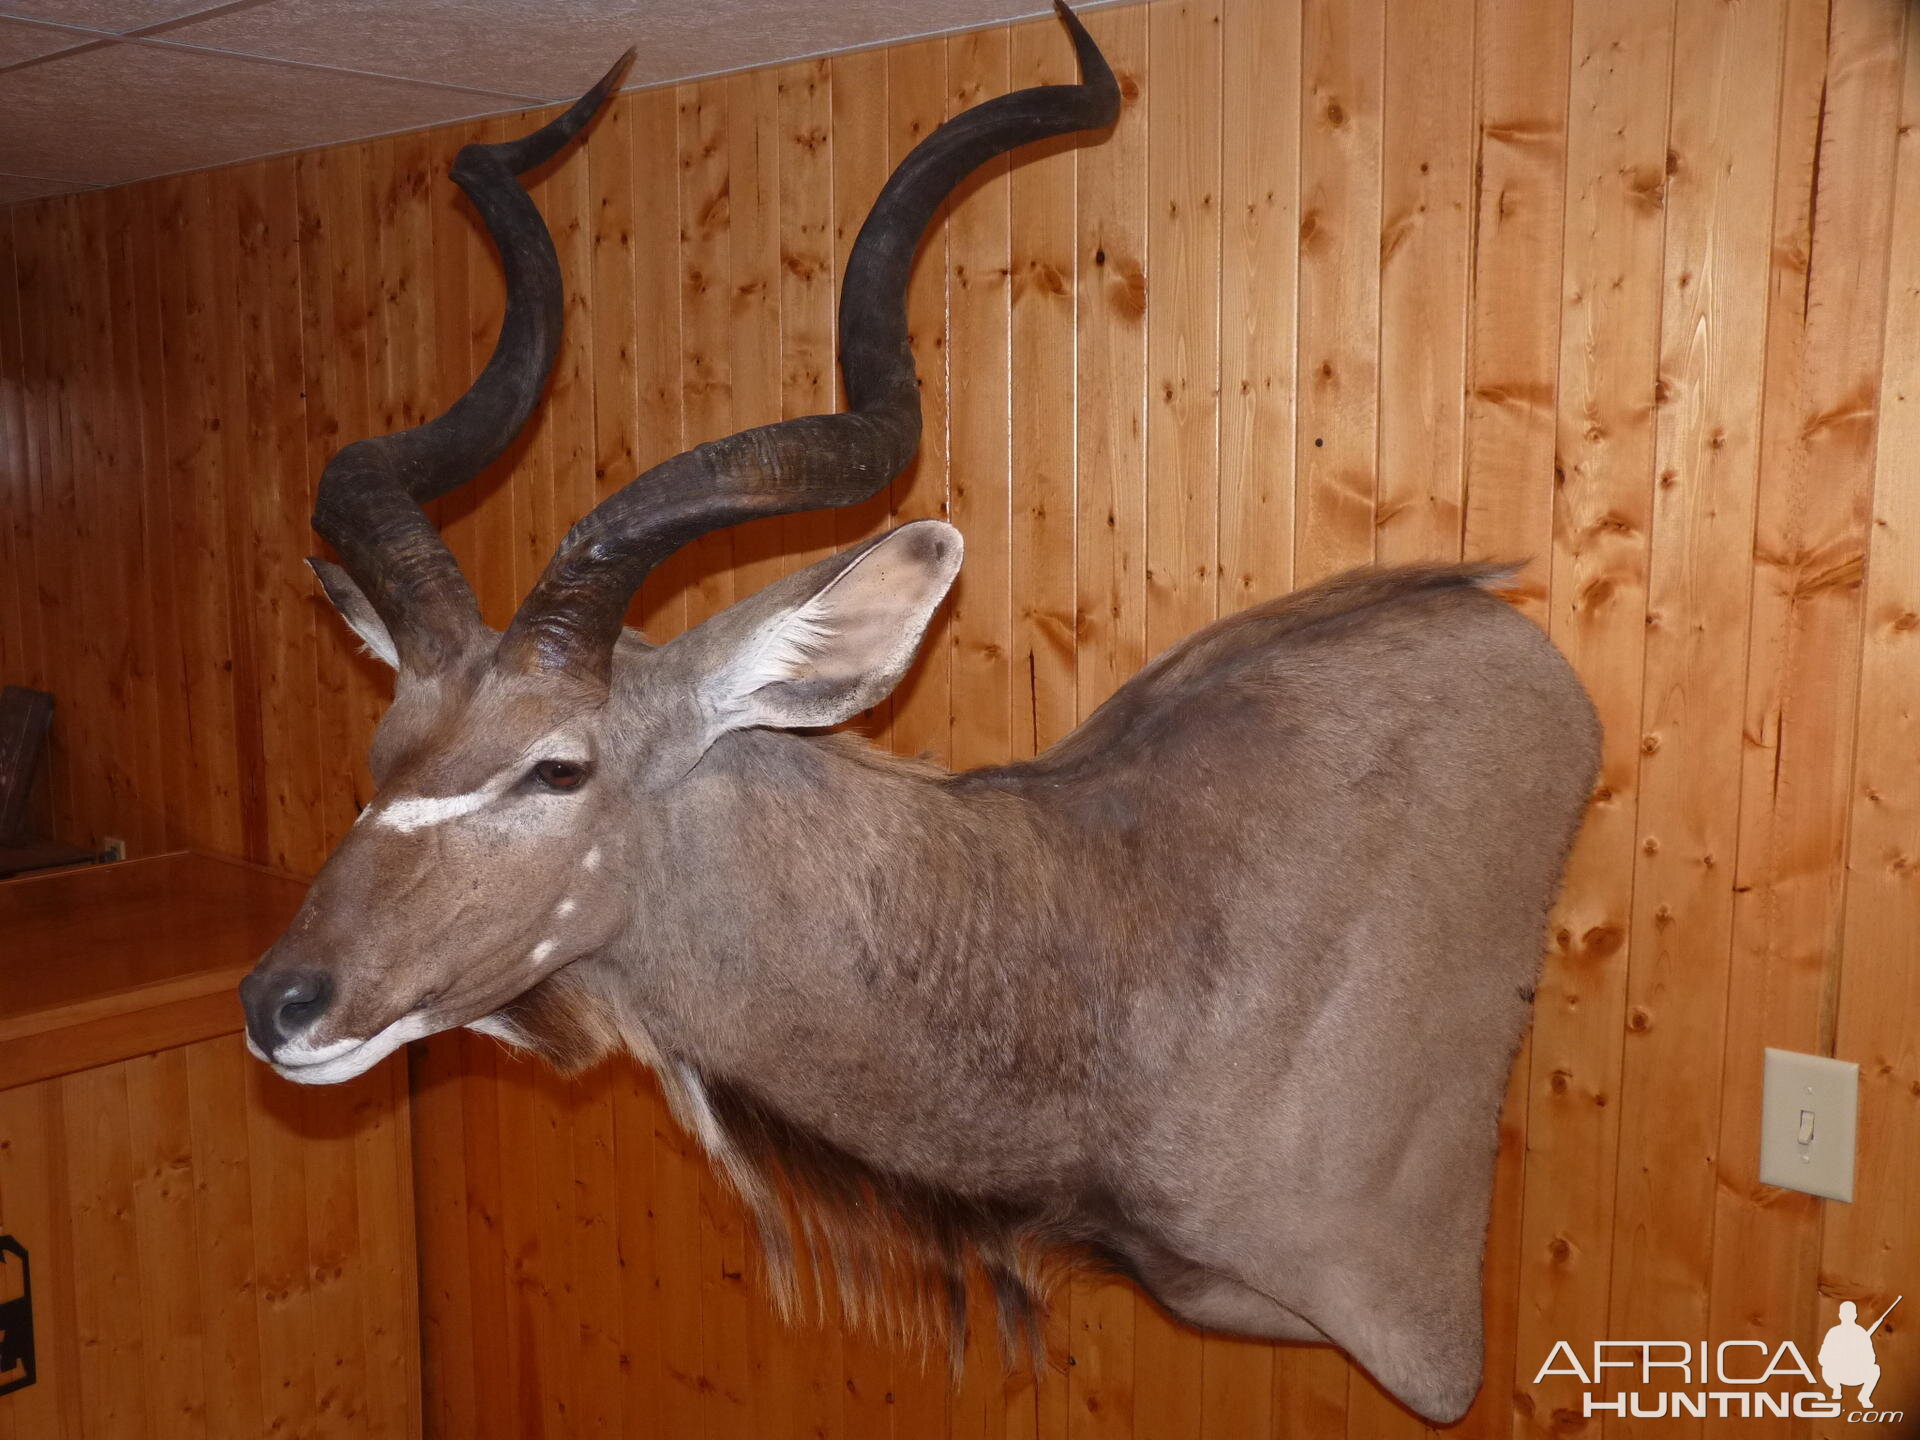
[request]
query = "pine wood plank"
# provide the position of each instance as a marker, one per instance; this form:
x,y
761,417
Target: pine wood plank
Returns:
x,y
981,486
163,1168
1610,294
1336,482
1259,301
1719,201
1839,109
1868,1255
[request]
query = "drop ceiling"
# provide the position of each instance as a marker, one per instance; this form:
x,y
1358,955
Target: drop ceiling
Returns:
x,y
102,92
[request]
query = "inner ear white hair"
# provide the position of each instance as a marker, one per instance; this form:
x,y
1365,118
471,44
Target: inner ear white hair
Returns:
x,y
828,653
354,607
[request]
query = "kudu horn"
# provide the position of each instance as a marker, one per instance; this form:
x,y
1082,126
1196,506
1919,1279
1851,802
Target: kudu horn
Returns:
x,y
573,615
368,504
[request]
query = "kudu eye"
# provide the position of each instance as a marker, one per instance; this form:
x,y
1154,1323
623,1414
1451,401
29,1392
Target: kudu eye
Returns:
x,y
560,774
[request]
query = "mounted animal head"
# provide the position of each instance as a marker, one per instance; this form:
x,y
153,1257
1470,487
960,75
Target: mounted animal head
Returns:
x,y
488,857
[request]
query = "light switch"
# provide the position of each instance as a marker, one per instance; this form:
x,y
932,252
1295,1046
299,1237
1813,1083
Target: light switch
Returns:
x,y
1808,1109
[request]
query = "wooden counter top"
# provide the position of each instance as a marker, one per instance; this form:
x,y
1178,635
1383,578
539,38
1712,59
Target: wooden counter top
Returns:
x,y
119,960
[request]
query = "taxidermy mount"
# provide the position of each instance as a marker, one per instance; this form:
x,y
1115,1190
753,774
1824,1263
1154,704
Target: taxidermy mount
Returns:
x,y
1221,991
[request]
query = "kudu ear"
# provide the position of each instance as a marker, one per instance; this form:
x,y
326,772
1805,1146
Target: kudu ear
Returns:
x,y
833,640
354,607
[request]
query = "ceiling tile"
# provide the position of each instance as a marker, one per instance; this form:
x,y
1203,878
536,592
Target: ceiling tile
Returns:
x,y
137,108
22,41
15,188
550,49
118,16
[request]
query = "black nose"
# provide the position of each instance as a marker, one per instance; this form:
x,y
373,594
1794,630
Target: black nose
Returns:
x,y
281,1004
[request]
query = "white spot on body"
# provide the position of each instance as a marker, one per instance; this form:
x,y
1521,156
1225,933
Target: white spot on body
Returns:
x,y
566,907
542,951
592,858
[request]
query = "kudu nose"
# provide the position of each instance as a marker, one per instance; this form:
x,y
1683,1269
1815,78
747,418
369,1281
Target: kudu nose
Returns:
x,y
281,1004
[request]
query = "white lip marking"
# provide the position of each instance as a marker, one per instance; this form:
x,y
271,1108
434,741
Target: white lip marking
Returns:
x,y
299,1052
424,810
542,951
565,907
345,1059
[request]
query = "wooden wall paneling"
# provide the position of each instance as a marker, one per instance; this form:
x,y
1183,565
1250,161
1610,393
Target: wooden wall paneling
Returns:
x,y
35,272
220,698
706,283
564,193
1335,479
1259,301
34,1206
438,1101
529,1325
1043,287
160,1118
1609,354
151,549
67,475
594,1200
238,1394
285,1169
99,477
1869,1252
655,153
1832,230
139,1188
275,580
347,1345
980,613
806,272
385,1252
141,809
1426,170
1719,198
106,1282
239,470
17,616
349,682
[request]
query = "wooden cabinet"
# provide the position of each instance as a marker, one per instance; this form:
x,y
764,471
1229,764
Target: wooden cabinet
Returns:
x,y
215,1252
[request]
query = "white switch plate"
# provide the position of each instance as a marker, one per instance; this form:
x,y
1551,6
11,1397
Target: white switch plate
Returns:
x,y
1808,1109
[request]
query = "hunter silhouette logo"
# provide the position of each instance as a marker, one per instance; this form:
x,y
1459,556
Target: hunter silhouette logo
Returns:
x,y
1846,1355
1730,1380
